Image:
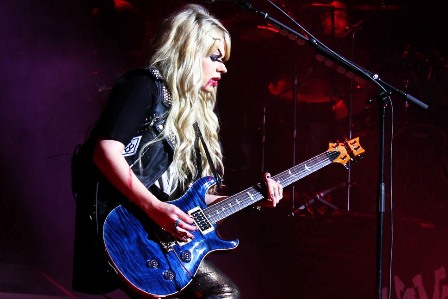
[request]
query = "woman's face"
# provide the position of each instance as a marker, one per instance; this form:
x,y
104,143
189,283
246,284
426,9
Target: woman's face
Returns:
x,y
213,67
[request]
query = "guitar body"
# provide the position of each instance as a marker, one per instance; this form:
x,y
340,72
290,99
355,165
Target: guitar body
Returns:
x,y
148,258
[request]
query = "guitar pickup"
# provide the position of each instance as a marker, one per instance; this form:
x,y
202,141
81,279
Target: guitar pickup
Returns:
x,y
201,220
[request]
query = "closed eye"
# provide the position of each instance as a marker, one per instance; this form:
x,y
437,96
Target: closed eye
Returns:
x,y
216,57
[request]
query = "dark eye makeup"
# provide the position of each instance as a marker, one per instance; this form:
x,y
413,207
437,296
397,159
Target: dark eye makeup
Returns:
x,y
216,57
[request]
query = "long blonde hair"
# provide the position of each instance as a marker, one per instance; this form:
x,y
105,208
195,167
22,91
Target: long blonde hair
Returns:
x,y
185,38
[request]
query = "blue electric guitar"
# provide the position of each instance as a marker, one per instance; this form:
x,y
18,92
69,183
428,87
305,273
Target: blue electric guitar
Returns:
x,y
154,263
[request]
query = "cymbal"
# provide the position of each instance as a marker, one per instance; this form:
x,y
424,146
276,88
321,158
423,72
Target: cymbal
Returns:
x,y
367,7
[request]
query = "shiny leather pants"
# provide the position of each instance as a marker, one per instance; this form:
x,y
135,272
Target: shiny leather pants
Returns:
x,y
208,283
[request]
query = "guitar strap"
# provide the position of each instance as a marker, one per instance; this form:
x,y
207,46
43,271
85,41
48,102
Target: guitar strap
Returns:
x,y
207,153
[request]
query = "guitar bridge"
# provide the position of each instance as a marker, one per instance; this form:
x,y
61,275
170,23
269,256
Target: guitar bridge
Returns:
x,y
201,220
166,241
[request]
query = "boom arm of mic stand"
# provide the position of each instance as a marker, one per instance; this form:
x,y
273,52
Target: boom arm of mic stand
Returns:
x,y
333,55
365,73
266,16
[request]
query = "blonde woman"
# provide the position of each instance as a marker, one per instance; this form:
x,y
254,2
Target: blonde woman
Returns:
x,y
157,135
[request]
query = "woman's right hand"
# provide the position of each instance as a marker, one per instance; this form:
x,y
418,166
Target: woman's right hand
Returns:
x,y
173,220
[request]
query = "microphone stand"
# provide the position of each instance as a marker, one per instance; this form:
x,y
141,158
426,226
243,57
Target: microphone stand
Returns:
x,y
383,98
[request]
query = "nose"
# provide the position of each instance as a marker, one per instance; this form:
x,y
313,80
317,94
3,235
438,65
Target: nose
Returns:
x,y
222,68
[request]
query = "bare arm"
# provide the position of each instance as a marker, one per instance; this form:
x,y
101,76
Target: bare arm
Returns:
x,y
109,159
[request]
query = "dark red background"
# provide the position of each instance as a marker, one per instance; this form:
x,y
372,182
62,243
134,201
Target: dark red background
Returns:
x,y
58,61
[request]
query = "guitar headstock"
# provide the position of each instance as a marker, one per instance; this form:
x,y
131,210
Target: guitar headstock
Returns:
x,y
349,151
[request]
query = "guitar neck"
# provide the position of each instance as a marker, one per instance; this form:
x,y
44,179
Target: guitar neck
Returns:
x,y
245,198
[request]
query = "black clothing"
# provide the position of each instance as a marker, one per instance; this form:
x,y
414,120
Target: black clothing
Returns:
x,y
134,115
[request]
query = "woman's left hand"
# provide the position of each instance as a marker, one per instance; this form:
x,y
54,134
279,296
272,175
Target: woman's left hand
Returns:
x,y
274,191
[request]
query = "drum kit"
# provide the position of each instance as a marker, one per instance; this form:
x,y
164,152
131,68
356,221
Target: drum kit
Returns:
x,y
360,116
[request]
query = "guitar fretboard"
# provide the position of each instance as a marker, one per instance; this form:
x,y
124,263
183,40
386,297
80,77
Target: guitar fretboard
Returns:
x,y
245,198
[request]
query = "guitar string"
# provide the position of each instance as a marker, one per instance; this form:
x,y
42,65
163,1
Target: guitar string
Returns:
x,y
220,211
284,176
251,195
